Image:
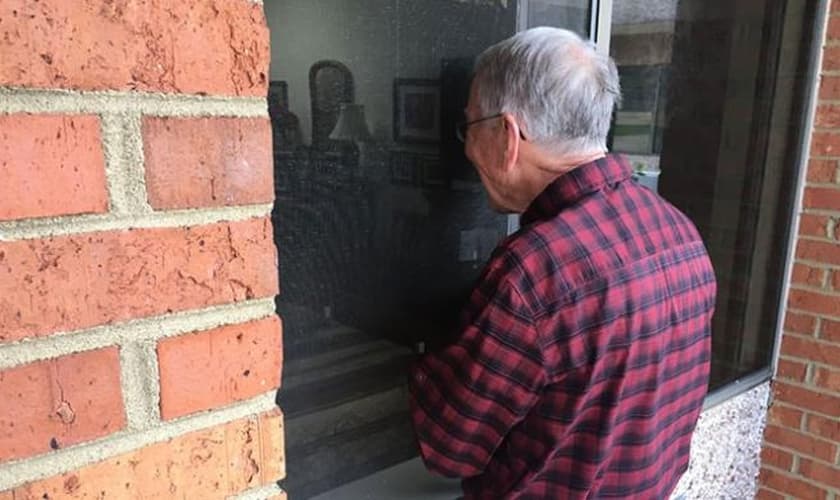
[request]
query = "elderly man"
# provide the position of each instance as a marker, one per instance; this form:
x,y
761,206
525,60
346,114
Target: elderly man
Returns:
x,y
582,359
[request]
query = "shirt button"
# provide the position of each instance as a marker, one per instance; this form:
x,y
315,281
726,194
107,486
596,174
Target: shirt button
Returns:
x,y
420,378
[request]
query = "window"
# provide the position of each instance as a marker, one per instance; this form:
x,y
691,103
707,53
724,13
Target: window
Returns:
x,y
381,223
713,115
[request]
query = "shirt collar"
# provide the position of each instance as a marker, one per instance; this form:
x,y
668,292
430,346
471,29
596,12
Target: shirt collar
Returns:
x,y
575,184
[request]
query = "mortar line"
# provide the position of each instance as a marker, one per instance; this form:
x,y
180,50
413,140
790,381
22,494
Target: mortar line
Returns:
x,y
140,381
23,100
147,329
25,470
67,225
259,493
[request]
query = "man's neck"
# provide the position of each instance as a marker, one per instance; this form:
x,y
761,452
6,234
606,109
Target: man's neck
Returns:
x,y
543,169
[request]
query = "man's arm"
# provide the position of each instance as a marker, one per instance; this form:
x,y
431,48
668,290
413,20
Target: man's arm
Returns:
x,y
467,396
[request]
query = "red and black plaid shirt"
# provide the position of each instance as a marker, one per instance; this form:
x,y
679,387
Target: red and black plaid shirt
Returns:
x,y
583,357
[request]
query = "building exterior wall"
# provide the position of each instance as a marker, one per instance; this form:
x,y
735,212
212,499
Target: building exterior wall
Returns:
x,y
801,450
139,349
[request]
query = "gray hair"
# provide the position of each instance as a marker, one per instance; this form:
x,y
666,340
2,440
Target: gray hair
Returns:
x,y
556,84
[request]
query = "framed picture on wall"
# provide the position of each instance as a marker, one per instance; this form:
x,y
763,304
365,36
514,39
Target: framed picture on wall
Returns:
x,y
416,110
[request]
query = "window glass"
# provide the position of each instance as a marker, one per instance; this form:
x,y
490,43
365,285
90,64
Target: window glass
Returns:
x,y
381,223
714,96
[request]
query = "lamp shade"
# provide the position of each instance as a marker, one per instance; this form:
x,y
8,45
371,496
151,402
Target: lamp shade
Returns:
x,y
351,124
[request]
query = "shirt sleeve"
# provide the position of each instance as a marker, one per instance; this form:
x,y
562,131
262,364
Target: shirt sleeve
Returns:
x,y
466,397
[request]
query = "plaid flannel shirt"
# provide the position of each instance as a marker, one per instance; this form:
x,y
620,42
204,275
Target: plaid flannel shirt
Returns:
x,y
582,360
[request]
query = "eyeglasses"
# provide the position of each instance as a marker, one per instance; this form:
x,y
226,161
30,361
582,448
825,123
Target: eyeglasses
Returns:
x,y
461,127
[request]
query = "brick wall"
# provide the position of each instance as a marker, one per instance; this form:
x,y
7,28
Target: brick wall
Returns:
x,y
801,451
139,349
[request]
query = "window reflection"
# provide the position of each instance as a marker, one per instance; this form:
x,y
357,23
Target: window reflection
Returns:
x,y
712,114
381,223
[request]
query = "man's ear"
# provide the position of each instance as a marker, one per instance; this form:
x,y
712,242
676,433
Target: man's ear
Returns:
x,y
512,138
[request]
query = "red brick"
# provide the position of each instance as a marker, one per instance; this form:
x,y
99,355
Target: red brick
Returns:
x,y
787,483
804,274
50,165
792,370
208,464
815,302
835,280
204,162
828,379
830,330
826,428
765,494
833,31
828,116
835,6
83,280
800,323
821,251
804,444
801,347
212,47
777,458
205,370
831,58
784,416
814,225
823,198
829,87
825,143
59,403
806,399
823,171
821,473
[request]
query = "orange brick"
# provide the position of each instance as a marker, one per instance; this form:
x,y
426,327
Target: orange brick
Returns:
x,y
801,347
815,302
804,274
825,428
59,403
821,251
816,402
50,165
784,416
833,31
213,47
83,280
208,464
823,198
777,458
791,485
828,379
200,371
824,171
203,162
800,323
814,225
825,474
792,370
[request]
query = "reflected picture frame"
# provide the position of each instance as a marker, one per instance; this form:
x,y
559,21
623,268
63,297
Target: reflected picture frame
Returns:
x,y
416,110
